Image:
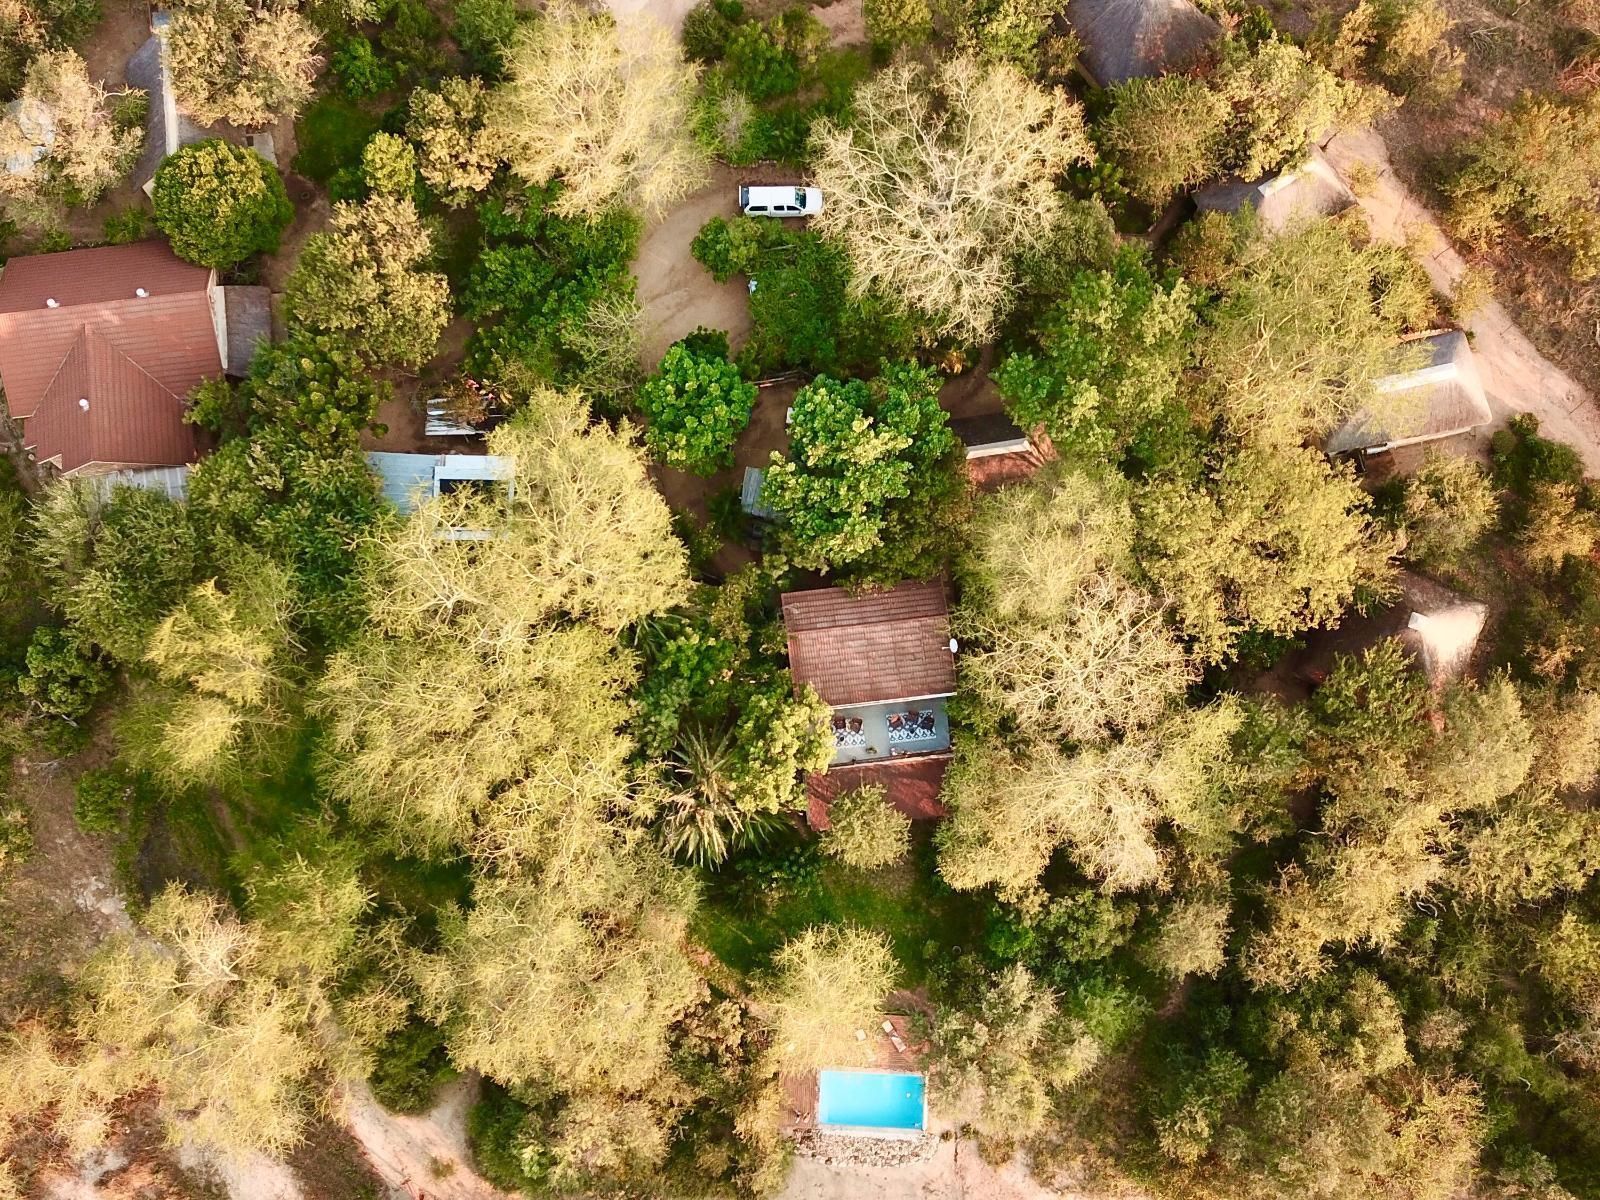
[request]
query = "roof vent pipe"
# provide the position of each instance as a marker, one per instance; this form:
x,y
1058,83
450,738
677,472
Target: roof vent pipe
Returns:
x,y
954,645
83,403
141,292
52,302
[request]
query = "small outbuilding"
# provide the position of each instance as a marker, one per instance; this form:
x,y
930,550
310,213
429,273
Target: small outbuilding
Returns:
x,y
1284,198
1140,39
1440,398
998,450
411,480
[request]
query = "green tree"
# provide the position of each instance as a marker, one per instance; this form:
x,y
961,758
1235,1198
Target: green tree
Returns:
x,y
1302,332
1056,636
828,982
1276,541
1537,165
1111,351
696,405
65,678
220,203
366,278
115,566
865,830
237,61
872,475
1166,134
389,165
458,152
1449,505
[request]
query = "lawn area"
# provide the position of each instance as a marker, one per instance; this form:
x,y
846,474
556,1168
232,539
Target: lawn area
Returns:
x,y
922,918
331,134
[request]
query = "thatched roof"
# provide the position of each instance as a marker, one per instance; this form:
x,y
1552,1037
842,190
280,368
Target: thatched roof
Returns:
x,y
1439,399
1283,199
1138,39
1438,629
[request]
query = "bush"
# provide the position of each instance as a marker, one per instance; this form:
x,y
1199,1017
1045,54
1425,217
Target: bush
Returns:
x,y
126,225
498,1131
220,203
359,70
389,165
758,66
16,836
483,29
1538,165
865,830
413,38
729,248
1521,459
708,27
1449,505
893,23
411,1068
65,677
104,798
697,405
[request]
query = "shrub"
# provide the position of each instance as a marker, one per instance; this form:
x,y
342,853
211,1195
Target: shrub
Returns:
x,y
729,248
497,1131
126,225
865,830
708,27
1521,459
483,30
412,38
104,797
361,73
389,165
16,835
411,1068
757,65
220,203
1538,165
1449,505
697,406
1166,134
65,677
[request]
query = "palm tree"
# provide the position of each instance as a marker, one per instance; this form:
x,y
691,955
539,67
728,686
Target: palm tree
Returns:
x,y
702,822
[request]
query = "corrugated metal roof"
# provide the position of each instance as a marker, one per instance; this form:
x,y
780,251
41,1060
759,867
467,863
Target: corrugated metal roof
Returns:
x,y
410,480
881,646
97,276
172,482
134,358
102,407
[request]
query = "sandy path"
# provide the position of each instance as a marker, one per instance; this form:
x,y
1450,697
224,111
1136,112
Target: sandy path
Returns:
x,y
1516,377
955,1172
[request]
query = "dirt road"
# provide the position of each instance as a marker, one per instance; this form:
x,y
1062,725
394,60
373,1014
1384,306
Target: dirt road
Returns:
x,y
1516,377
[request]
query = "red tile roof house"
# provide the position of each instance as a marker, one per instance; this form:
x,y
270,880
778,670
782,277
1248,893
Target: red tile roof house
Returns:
x,y
885,663
100,348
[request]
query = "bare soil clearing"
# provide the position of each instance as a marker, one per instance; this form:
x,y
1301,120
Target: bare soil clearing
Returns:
x,y
1516,376
63,901
423,1156
676,293
955,1172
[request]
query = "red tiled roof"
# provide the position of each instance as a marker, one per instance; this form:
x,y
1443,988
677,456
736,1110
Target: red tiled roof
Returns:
x,y
133,358
911,784
881,646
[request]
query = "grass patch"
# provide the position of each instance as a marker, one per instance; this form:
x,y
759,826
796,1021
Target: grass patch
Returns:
x,y
923,919
331,133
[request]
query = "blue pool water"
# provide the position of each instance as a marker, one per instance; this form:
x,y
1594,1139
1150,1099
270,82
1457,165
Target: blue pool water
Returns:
x,y
870,1099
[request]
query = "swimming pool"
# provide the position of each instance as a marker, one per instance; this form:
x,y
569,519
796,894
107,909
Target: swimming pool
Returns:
x,y
872,1101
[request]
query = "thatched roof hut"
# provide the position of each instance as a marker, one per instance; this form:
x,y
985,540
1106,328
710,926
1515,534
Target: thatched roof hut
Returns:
x,y
1441,398
1140,39
1283,199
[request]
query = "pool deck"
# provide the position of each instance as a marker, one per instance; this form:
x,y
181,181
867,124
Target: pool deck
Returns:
x,y
800,1091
